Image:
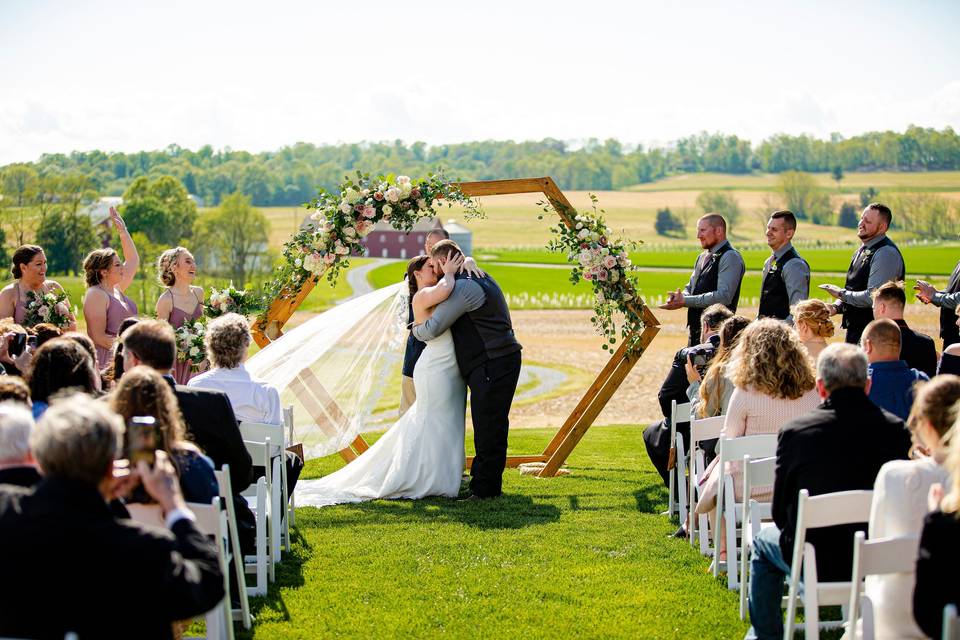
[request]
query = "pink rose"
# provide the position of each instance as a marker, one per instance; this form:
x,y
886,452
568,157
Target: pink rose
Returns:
x,y
329,258
609,262
358,208
369,211
415,193
602,275
587,276
378,196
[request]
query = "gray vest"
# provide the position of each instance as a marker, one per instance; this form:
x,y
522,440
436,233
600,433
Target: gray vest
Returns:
x,y
486,333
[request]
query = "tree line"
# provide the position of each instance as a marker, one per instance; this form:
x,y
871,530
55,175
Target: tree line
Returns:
x,y
291,175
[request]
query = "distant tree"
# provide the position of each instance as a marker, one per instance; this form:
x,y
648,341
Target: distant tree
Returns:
x,y
868,196
668,224
234,237
801,195
849,216
66,237
19,183
928,215
149,252
720,202
159,208
837,173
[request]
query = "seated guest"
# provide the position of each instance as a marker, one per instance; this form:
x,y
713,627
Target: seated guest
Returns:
x,y
13,364
114,370
46,332
709,397
939,556
775,383
14,389
59,364
207,413
656,437
227,340
17,465
84,341
813,324
950,360
78,568
839,446
892,380
143,392
916,349
900,501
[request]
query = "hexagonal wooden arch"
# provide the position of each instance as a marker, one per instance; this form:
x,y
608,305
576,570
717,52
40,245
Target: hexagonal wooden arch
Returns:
x,y
324,409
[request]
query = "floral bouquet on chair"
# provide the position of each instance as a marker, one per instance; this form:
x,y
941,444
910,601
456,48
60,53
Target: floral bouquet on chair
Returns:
x,y
52,307
232,300
190,343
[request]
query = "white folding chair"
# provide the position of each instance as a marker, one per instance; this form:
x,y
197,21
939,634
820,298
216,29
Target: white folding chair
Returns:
x,y
827,510
275,433
212,521
951,627
678,413
756,473
291,509
239,568
263,501
870,558
729,512
700,430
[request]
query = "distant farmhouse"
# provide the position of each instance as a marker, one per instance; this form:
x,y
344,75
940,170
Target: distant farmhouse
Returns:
x,y
385,241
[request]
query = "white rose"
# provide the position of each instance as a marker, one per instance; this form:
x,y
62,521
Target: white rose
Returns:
x,y
198,328
349,232
387,210
350,195
584,233
44,311
392,195
298,262
194,352
345,207
421,204
614,276
341,250
403,180
579,225
62,308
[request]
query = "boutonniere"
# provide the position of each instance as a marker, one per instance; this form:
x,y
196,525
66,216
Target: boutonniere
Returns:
x,y
773,266
866,253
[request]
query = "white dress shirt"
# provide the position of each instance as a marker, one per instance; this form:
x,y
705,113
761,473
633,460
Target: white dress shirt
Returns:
x,y
252,400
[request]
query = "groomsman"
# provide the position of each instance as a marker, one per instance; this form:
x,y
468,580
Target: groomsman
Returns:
x,y
716,278
947,300
878,260
786,276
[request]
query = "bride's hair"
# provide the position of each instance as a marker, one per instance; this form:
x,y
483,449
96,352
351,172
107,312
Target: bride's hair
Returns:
x,y
415,264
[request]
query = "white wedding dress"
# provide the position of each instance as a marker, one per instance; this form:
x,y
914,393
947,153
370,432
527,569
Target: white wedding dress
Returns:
x,y
420,455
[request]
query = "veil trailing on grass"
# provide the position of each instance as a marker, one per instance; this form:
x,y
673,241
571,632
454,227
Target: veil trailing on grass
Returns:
x,y
341,370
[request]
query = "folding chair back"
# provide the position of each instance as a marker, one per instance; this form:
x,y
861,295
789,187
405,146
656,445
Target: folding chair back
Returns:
x,y
291,515
877,557
678,413
700,430
275,433
951,627
211,520
756,473
226,496
827,510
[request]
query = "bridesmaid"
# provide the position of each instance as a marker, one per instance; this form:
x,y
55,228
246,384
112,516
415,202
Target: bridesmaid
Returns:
x,y
181,302
30,270
105,305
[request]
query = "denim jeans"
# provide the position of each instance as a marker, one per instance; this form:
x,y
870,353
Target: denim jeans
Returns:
x,y
768,570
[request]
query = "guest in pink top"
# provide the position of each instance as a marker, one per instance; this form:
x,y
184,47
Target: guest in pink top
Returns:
x,y
30,270
181,302
105,304
775,383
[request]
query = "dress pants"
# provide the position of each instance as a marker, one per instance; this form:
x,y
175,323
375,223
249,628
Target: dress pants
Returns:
x,y
492,386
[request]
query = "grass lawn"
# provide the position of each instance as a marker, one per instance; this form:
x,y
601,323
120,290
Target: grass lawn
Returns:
x,y
586,555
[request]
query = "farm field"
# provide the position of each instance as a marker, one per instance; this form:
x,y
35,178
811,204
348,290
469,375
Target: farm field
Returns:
x,y
880,180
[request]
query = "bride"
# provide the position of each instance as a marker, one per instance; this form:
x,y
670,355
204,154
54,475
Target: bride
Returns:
x,y
422,453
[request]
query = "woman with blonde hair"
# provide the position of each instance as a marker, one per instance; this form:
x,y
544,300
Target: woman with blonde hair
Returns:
x,y
814,326
181,302
105,304
711,396
142,391
775,383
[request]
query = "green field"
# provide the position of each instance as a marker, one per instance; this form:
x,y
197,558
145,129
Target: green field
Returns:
x,y
880,180
586,555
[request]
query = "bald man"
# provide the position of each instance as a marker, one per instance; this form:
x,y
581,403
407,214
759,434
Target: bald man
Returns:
x,y
892,380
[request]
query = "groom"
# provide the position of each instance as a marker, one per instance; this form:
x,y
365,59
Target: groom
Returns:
x,y
488,355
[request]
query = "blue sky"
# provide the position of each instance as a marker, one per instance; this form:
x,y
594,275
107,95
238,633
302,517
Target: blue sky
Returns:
x,y
259,75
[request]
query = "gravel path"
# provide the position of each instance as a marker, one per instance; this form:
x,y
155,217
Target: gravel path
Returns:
x,y
357,278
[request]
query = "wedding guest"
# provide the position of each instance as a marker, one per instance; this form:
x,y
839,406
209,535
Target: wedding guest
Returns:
x,y
900,501
938,560
839,446
29,269
916,349
786,276
892,381
143,392
57,365
949,302
105,304
775,383
14,362
99,576
813,324
181,302
14,389
17,465
114,371
878,260
950,360
716,278
710,396
46,332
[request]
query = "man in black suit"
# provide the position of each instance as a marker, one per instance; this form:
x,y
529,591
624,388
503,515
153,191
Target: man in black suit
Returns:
x,y
70,565
947,300
839,446
656,437
207,413
17,466
918,349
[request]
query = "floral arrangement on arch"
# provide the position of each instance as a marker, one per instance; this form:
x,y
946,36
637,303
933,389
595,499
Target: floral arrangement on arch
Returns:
x,y
232,300
190,342
341,219
52,307
603,261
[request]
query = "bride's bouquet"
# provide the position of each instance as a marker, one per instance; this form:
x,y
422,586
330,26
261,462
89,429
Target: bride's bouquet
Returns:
x,y
52,307
232,300
190,343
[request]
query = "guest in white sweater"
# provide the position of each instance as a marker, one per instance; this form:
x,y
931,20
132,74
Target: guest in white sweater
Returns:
x,y
900,500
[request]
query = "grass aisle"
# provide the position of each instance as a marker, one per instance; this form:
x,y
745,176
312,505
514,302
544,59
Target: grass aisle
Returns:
x,y
585,555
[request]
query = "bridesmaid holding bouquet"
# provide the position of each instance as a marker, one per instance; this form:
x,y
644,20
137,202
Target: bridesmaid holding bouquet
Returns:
x,y
182,302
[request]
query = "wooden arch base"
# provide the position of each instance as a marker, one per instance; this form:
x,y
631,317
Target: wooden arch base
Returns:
x,y
324,410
